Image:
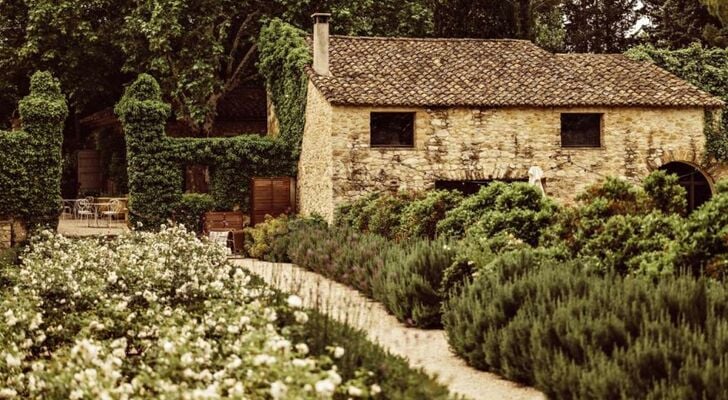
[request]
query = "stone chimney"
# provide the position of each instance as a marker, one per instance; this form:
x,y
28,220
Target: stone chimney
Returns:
x,y
321,43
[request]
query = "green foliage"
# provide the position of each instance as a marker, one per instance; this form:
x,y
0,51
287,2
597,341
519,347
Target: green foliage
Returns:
x,y
156,162
397,380
259,238
704,244
633,243
600,26
617,226
408,284
354,214
30,172
679,23
420,217
666,193
474,254
284,57
579,336
517,208
191,208
704,67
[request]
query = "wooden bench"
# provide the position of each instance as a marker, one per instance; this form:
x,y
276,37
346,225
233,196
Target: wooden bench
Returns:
x,y
227,221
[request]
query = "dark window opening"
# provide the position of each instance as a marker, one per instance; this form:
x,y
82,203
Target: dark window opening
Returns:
x,y
471,187
695,183
392,129
197,179
581,130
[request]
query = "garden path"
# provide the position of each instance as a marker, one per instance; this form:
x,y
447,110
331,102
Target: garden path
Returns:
x,y
426,349
79,228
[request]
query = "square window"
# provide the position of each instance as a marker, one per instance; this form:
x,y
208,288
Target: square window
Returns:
x,y
392,129
581,130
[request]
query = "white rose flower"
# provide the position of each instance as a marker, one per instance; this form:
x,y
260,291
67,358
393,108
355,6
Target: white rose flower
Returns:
x,y
295,301
355,391
338,352
301,317
375,389
12,361
278,389
325,388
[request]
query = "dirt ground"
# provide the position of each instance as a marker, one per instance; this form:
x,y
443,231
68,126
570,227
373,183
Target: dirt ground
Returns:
x,y
426,349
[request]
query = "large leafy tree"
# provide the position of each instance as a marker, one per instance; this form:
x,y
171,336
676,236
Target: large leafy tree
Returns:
x,y
491,18
600,26
719,8
74,39
678,23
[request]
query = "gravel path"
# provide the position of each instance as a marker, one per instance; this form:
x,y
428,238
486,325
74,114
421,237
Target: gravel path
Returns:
x,y
427,349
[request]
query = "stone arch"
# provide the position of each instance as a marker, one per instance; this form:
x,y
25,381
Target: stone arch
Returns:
x,y
698,183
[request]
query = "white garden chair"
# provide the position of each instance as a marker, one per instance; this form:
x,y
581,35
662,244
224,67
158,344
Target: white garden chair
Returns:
x,y
84,210
115,210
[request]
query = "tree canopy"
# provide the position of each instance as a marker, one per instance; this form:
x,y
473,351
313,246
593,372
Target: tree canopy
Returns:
x,y
199,50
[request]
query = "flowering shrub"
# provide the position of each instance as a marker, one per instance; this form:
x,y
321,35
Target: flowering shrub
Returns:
x,y
153,315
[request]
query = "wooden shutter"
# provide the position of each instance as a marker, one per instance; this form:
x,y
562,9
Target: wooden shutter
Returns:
x,y
271,196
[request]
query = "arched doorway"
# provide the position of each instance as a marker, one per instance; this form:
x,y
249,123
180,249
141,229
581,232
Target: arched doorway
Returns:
x,y
695,182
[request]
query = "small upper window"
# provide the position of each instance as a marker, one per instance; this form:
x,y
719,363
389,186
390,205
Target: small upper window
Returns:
x,y
581,130
392,129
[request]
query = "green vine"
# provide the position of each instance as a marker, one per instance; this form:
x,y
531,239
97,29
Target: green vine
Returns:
x,y
156,162
30,172
283,59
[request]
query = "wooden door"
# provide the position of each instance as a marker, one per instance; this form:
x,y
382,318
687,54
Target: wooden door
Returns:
x,y
89,171
271,196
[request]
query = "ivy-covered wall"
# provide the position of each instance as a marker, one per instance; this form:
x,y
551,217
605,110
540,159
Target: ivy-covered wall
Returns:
x,y
30,167
284,57
156,162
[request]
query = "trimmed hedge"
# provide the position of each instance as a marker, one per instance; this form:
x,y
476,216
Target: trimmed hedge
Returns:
x,y
191,208
577,335
156,162
30,171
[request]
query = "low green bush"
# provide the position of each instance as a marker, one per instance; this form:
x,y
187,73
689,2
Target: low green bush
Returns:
x,y
353,214
474,254
260,238
618,226
342,254
396,379
420,217
384,213
516,208
703,245
191,208
577,335
409,283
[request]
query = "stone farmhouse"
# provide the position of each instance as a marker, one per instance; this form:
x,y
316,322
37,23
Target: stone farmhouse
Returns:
x,y
413,114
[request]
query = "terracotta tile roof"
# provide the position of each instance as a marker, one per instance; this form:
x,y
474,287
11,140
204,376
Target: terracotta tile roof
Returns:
x,y
492,73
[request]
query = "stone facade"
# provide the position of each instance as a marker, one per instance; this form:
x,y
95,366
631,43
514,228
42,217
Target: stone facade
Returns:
x,y
315,168
338,165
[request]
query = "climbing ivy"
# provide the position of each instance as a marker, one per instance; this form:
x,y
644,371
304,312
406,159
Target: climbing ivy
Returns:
x,y
283,59
156,162
704,67
30,171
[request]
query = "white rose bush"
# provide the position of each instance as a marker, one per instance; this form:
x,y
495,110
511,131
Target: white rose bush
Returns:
x,y
154,315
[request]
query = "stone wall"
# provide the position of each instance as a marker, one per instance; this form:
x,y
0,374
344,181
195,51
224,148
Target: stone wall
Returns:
x,y
483,144
315,186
